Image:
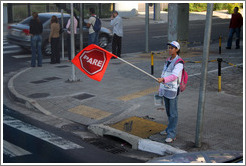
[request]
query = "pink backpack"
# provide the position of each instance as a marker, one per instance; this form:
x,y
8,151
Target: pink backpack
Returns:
x,y
184,77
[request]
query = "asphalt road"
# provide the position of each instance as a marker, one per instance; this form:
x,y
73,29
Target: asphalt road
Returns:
x,y
28,141
133,41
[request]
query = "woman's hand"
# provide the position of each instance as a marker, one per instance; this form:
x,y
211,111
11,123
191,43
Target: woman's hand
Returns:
x,y
160,80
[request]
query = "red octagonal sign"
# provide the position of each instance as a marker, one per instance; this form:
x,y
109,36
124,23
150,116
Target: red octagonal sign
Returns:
x,y
93,61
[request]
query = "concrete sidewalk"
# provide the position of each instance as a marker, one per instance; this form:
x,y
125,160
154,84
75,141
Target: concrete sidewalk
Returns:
x,y
124,92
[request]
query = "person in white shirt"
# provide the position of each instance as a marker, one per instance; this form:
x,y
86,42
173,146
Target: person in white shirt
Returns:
x,y
68,26
116,22
93,36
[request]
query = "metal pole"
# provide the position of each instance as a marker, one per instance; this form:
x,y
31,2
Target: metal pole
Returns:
x,y
81,25
220,44
146,27
201,102
73,77
62,22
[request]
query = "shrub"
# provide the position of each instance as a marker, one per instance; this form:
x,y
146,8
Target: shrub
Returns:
x,y
231,6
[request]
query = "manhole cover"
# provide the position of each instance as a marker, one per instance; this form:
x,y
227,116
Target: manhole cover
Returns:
x,y
38,95
83,96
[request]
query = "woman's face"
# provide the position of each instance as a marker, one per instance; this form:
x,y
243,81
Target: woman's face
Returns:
x,y
172,50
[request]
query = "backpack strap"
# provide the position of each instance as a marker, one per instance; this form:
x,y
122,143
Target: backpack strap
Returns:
x,y
180,60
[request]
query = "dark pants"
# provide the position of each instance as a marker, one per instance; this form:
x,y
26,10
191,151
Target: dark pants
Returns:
x,y
116,45
231,33
55,51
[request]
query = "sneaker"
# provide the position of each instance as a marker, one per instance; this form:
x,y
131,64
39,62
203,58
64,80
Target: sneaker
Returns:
x,y
228,48
169,140
164,132
237,47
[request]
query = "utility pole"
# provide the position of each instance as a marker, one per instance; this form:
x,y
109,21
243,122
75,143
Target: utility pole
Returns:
x,y
146,27
62,22
81,25
73,77
202,93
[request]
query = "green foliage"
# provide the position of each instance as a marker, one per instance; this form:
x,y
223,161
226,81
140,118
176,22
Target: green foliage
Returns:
x,y
231,6
197,7
220,6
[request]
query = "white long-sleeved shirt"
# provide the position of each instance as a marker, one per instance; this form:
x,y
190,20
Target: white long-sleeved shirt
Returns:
x,y
117,26
75,25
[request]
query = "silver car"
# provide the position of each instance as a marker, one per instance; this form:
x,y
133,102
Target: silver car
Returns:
x,y
18,34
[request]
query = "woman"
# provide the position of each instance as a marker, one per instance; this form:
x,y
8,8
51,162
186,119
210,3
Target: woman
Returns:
x,y
169,89
36,29
54,40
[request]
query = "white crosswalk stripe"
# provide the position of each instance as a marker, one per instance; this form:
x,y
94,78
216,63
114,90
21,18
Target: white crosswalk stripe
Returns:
x,y
40,133
12,150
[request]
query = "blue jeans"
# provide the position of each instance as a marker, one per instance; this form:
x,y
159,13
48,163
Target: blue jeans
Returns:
x,y
231,33
36,42
172,114
93,38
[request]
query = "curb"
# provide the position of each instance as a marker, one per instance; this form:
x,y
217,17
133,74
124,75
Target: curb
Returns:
x,y
136,142
29,103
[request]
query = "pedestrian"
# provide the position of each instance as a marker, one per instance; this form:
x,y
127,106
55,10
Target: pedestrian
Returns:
x,y
169,89
116,22
235,26
68,26
54,39
93,36
36,29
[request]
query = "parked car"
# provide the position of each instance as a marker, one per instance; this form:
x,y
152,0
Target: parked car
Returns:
x,y
18,34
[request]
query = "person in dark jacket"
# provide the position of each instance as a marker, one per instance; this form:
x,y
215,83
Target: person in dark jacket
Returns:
x,y
36,29
235,26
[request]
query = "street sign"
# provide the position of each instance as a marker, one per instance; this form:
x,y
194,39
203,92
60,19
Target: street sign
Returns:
x,y
93,61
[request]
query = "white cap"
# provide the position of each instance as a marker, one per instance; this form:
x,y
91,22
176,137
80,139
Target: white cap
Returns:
x,y
174,44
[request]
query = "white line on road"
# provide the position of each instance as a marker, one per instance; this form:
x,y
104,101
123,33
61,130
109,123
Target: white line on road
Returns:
x,y
22,56
12,150
39,133
157,37
10,46
216,70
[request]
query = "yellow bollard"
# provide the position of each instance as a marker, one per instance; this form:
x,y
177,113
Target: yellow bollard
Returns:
x,y
152,63
219,73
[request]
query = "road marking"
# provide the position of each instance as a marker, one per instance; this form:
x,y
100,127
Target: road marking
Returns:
x,y
90,112
10,46
138,94
39,133
157,37
10,51
22,56
154,89
12,150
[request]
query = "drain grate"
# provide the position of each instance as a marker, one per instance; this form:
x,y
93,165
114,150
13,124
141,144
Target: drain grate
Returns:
x,y
83,96
38,95
107,147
